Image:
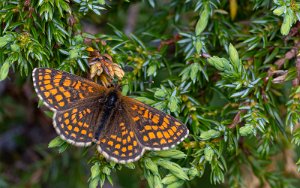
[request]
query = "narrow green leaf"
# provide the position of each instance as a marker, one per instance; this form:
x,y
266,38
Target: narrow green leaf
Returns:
x,y
202,22
4,70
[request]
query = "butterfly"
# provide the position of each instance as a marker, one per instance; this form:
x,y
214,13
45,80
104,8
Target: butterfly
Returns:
x,y
86,113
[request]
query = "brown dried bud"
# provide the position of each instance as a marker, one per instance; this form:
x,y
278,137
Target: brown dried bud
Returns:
x,y
104,67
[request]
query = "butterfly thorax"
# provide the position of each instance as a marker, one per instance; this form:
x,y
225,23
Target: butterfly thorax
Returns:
x,y
112,99
110,105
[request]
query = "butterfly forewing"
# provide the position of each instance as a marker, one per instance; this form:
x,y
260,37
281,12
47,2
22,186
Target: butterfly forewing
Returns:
x,y
118,141
60,90
154,129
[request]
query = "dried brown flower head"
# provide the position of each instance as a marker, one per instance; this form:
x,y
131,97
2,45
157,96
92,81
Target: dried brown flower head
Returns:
x,y
104,67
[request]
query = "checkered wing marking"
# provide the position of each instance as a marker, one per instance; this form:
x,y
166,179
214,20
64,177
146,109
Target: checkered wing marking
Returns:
x,y
118,142
60,90
76,125
155,129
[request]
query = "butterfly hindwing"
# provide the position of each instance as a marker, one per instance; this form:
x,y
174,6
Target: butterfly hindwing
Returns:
x,y
60,90
119,142
154,129
76,125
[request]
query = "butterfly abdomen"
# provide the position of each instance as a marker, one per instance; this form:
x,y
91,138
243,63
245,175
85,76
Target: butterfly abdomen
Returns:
x,y
110,104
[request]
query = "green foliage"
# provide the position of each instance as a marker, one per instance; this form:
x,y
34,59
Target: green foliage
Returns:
x,y
234,81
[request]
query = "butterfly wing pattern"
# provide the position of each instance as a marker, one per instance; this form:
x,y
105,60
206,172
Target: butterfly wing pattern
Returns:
x,y
73,100
155,129
121,127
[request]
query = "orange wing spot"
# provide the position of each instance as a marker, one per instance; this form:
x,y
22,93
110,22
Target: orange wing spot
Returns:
x,y
151,135
53,91
67,94
80,115
130,147
131,133
40,83
67,133
130,154
70,127
155,119
142,108
145,138
124,141
58,76
40,77
159,135
62,126
113,136
166,120
88,110
134,107
155,144
177,123
116,152
58,98
47,77
103,140
73,135
166,134
48,70
47,94
155,127
122,124
170,132
83,132
73,116
124,149
61,89
76,129
85,125
78,85
81,95
67,122
148,128
170,141
90,135
42,88
165,125
123,155
124,132
48,87
174,128
140,112
47,82
66,115
74,110
178,133
136,118
80,124
134,143
128,138
56,81
67,83
118,146
146,114
163,141
50,101
119,139
61,104
110,143
83,88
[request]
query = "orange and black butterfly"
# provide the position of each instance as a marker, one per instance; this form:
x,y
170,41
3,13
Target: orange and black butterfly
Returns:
x,y
121,127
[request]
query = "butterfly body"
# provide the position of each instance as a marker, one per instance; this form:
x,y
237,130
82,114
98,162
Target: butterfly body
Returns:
x,y
121,127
